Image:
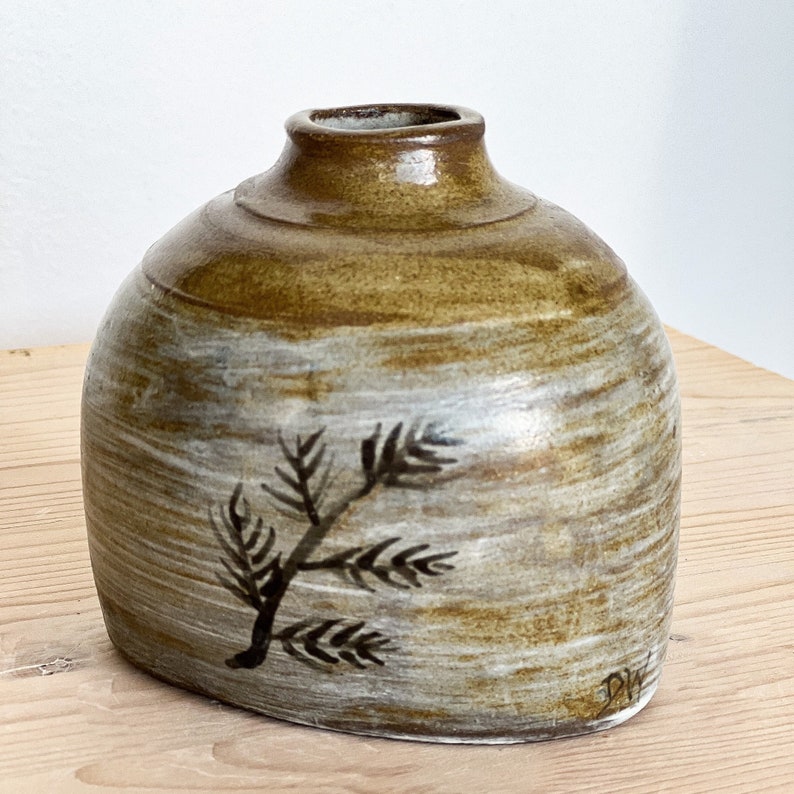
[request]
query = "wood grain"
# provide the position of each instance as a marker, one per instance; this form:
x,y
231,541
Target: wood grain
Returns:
x,y
77,717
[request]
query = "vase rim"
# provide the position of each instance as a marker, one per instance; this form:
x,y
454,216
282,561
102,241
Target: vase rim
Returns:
x,y
384,167
388,121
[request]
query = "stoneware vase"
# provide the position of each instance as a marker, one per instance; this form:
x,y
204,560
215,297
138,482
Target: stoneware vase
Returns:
x,y
382,443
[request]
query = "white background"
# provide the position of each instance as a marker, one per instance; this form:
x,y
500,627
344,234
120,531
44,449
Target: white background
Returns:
x,y
668,127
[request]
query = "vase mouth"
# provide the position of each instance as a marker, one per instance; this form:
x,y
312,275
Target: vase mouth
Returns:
x,y
388,167
387,121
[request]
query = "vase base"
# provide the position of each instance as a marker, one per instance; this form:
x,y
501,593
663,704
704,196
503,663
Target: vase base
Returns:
x,y
521,732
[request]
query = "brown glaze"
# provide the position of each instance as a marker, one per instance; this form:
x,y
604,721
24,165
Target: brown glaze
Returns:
x,y
383,443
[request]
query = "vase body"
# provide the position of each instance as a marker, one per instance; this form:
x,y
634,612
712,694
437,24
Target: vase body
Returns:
x,y
381,443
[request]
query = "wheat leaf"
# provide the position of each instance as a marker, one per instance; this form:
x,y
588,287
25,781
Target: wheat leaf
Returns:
x,y
235,590
285,478
295,504
230,528
225,545
286,644
342,637
362,648
409,575
239,520
383,574
401,559
237,577
351,658
368,449
312,466
290,631
315,634
325,481
367,560
260,556
389,450
306,447
311,639
235,555
254,536
358,579
428,455
243,584
273,582
410,434
288,456
364,639
435,437
235,498
383,642
423,563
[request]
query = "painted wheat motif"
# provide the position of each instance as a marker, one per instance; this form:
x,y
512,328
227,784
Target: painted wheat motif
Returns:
x,y
402,458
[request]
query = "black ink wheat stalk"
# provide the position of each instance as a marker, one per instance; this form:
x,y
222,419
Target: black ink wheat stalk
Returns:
x,y
402,460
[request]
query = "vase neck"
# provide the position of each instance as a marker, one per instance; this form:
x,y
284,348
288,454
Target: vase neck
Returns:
x,y
389,167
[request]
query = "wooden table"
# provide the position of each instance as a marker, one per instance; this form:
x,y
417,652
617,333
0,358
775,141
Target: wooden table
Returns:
x,y
77,717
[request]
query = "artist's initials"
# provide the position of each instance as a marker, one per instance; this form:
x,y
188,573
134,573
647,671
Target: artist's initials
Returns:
x,y
623,687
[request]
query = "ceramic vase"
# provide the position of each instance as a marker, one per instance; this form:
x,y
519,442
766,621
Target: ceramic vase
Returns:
x,y
380,442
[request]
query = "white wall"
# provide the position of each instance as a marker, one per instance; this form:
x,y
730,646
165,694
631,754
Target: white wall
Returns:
x,y
667,126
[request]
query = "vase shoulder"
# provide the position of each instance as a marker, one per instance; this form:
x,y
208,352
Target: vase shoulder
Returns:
x,y
542,263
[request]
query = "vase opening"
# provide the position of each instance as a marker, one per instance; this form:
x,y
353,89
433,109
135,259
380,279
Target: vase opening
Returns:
x,y
388,167
382,117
